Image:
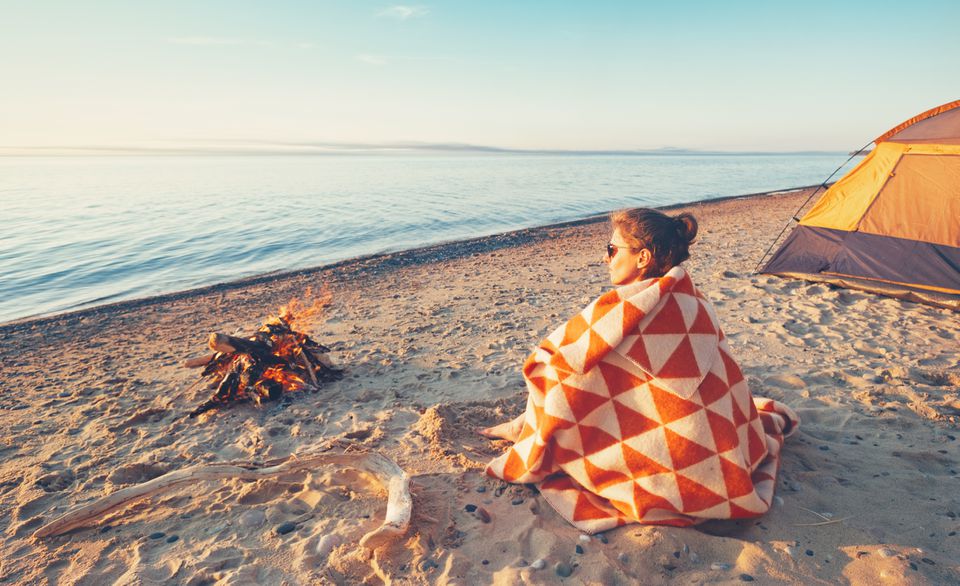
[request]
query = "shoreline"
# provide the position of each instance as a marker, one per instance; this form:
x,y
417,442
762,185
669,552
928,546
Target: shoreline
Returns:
x,y
400,258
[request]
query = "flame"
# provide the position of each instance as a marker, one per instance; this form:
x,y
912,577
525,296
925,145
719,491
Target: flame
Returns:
x,y
289,380
306,311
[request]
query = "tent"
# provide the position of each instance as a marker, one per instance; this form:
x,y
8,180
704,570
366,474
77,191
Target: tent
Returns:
x,y
892,224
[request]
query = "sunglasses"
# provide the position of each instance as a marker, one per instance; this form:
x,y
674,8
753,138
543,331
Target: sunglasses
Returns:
x,y
612,249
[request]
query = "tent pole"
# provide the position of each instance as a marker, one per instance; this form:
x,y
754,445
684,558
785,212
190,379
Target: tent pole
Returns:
x,y
796,214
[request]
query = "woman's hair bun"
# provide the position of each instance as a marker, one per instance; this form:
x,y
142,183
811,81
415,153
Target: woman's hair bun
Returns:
x,y
686,227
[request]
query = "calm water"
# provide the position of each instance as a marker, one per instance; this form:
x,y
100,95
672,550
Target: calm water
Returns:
x,y
81,231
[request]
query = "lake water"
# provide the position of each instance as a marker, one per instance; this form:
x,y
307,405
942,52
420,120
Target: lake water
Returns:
x,y
81,231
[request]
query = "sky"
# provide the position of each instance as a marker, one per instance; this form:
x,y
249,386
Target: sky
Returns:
x,y
732,75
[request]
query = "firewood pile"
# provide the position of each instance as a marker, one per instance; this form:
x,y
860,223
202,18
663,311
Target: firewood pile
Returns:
x,y
274,360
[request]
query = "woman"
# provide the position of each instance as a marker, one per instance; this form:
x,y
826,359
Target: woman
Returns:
x,y
636,411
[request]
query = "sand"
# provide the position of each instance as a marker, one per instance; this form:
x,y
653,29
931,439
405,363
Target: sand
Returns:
x,y
432,342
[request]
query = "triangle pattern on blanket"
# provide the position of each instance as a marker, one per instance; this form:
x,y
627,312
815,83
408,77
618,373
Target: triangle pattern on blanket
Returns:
x,y
667,320
670,406
632,423
684,452
582,402
618,380
682,362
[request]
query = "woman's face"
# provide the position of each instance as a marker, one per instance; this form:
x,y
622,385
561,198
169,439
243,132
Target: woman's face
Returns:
x,y
626,265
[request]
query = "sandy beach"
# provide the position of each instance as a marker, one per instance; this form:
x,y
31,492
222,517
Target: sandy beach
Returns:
x,y
432,342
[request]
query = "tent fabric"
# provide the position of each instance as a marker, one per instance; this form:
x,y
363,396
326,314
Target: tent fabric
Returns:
x,y
868,256
940,125
842,206
921,201
892,224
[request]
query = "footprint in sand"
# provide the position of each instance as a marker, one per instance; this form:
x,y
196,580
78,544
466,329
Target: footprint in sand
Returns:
x,y
55,481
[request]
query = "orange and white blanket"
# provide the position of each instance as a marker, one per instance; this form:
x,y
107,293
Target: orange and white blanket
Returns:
x,y
637,413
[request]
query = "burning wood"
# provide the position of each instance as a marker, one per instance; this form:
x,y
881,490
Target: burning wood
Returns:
x,y
274,360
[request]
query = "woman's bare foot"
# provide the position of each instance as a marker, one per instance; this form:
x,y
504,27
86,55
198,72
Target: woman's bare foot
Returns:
x,y
509,431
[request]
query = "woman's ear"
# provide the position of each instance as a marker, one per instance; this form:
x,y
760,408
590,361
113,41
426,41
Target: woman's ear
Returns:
x,y
644,258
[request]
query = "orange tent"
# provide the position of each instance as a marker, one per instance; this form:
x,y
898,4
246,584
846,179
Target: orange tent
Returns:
x,y
892,224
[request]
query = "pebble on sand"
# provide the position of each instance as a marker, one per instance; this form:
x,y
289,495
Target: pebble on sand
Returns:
x,y
719,566
746,578
584,538
157,535
482,514
285,528
563,570
173,538
539,564
622,557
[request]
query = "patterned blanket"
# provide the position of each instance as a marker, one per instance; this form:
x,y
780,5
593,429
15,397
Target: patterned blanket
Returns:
x,y
636,412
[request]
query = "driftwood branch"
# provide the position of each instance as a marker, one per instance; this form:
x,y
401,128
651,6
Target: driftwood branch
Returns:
x,y
385,470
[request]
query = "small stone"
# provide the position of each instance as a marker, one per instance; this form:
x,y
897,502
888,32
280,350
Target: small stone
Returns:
x,y
622,557
483,515
470,508
173,538
928,561
914,567
481,489
539,564
157,535
603,539
285,528
485,562
517,501
676,554
105,528
563,570
886,552
579,550
796,486
584,538
778,500
746,578
809,552
718,566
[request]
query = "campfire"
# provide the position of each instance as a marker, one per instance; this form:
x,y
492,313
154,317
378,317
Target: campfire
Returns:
x,y
274,360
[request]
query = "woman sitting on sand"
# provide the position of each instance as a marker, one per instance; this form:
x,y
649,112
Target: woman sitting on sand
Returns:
x,y
636,411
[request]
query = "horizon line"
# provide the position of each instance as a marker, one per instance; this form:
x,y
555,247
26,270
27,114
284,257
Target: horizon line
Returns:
x,y
265,148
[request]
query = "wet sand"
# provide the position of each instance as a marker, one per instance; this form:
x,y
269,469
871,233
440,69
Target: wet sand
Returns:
x,y
432,342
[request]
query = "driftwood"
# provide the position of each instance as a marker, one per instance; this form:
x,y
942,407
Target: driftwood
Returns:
x,y
385,470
